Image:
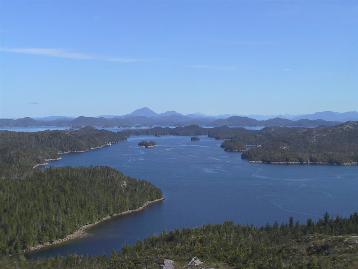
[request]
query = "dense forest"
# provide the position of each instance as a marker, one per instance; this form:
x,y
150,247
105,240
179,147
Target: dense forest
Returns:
x,y
20,151
330,243
41,205
53,203
324,145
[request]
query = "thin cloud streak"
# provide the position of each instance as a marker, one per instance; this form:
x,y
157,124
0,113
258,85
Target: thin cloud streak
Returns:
x,y
213,67
65,54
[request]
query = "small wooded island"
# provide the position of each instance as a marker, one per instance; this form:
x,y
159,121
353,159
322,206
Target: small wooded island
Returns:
x,y
147,144
194,139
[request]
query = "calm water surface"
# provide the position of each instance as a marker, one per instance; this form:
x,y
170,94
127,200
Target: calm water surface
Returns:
x,y
204,184
33,129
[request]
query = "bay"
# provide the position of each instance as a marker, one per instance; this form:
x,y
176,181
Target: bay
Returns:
x,y
203,184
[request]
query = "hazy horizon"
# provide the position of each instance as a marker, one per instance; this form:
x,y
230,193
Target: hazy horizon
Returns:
x,y
257,116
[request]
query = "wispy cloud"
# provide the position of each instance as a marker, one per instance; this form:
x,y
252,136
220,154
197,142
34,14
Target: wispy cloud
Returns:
x,y
126,60
33,103
213,67
66,54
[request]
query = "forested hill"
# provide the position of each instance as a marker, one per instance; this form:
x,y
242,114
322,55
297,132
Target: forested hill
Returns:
x,y
41,205
330,243
20,151
51,204
324,145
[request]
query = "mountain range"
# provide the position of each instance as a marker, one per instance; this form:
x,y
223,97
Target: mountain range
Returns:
x,y
145,117
329,116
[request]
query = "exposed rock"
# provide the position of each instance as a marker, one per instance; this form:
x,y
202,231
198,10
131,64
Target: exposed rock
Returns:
x,y
195,262
168,264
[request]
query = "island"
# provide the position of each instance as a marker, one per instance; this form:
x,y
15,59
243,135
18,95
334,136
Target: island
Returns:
x,y
147,144
194,139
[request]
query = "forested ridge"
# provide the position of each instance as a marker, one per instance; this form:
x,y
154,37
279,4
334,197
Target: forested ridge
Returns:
x,y
20,151
330,243
42,205
324,145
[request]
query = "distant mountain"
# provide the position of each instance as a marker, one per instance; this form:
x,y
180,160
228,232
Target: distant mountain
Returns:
x,y
149,118
330,116
238,121
22,122
143,112
54,118
170,114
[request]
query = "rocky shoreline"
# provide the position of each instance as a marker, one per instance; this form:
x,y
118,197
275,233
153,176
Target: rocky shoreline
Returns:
x,y
82,231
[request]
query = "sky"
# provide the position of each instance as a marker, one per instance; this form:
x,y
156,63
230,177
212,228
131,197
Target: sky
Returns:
x,y
109,57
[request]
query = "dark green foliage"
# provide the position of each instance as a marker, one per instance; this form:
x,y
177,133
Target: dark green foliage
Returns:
x,y
326,145
147,144
190,130
38,206
21,151
51,204
327,244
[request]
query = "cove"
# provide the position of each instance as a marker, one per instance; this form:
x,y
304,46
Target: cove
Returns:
x,y
203,184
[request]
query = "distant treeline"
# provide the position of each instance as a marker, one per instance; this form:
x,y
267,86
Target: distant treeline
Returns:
x,y
324,145
330,243
175,119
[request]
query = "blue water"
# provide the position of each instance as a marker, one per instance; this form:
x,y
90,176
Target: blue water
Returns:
x,y
204,184
33,129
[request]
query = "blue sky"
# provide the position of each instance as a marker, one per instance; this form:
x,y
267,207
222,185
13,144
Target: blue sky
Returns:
x,y
79,57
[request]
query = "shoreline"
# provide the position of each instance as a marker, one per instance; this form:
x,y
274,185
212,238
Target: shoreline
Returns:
x,y
82,231
306,163
46,161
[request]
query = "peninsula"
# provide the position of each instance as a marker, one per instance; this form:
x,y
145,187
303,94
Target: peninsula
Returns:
x,y
49,206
